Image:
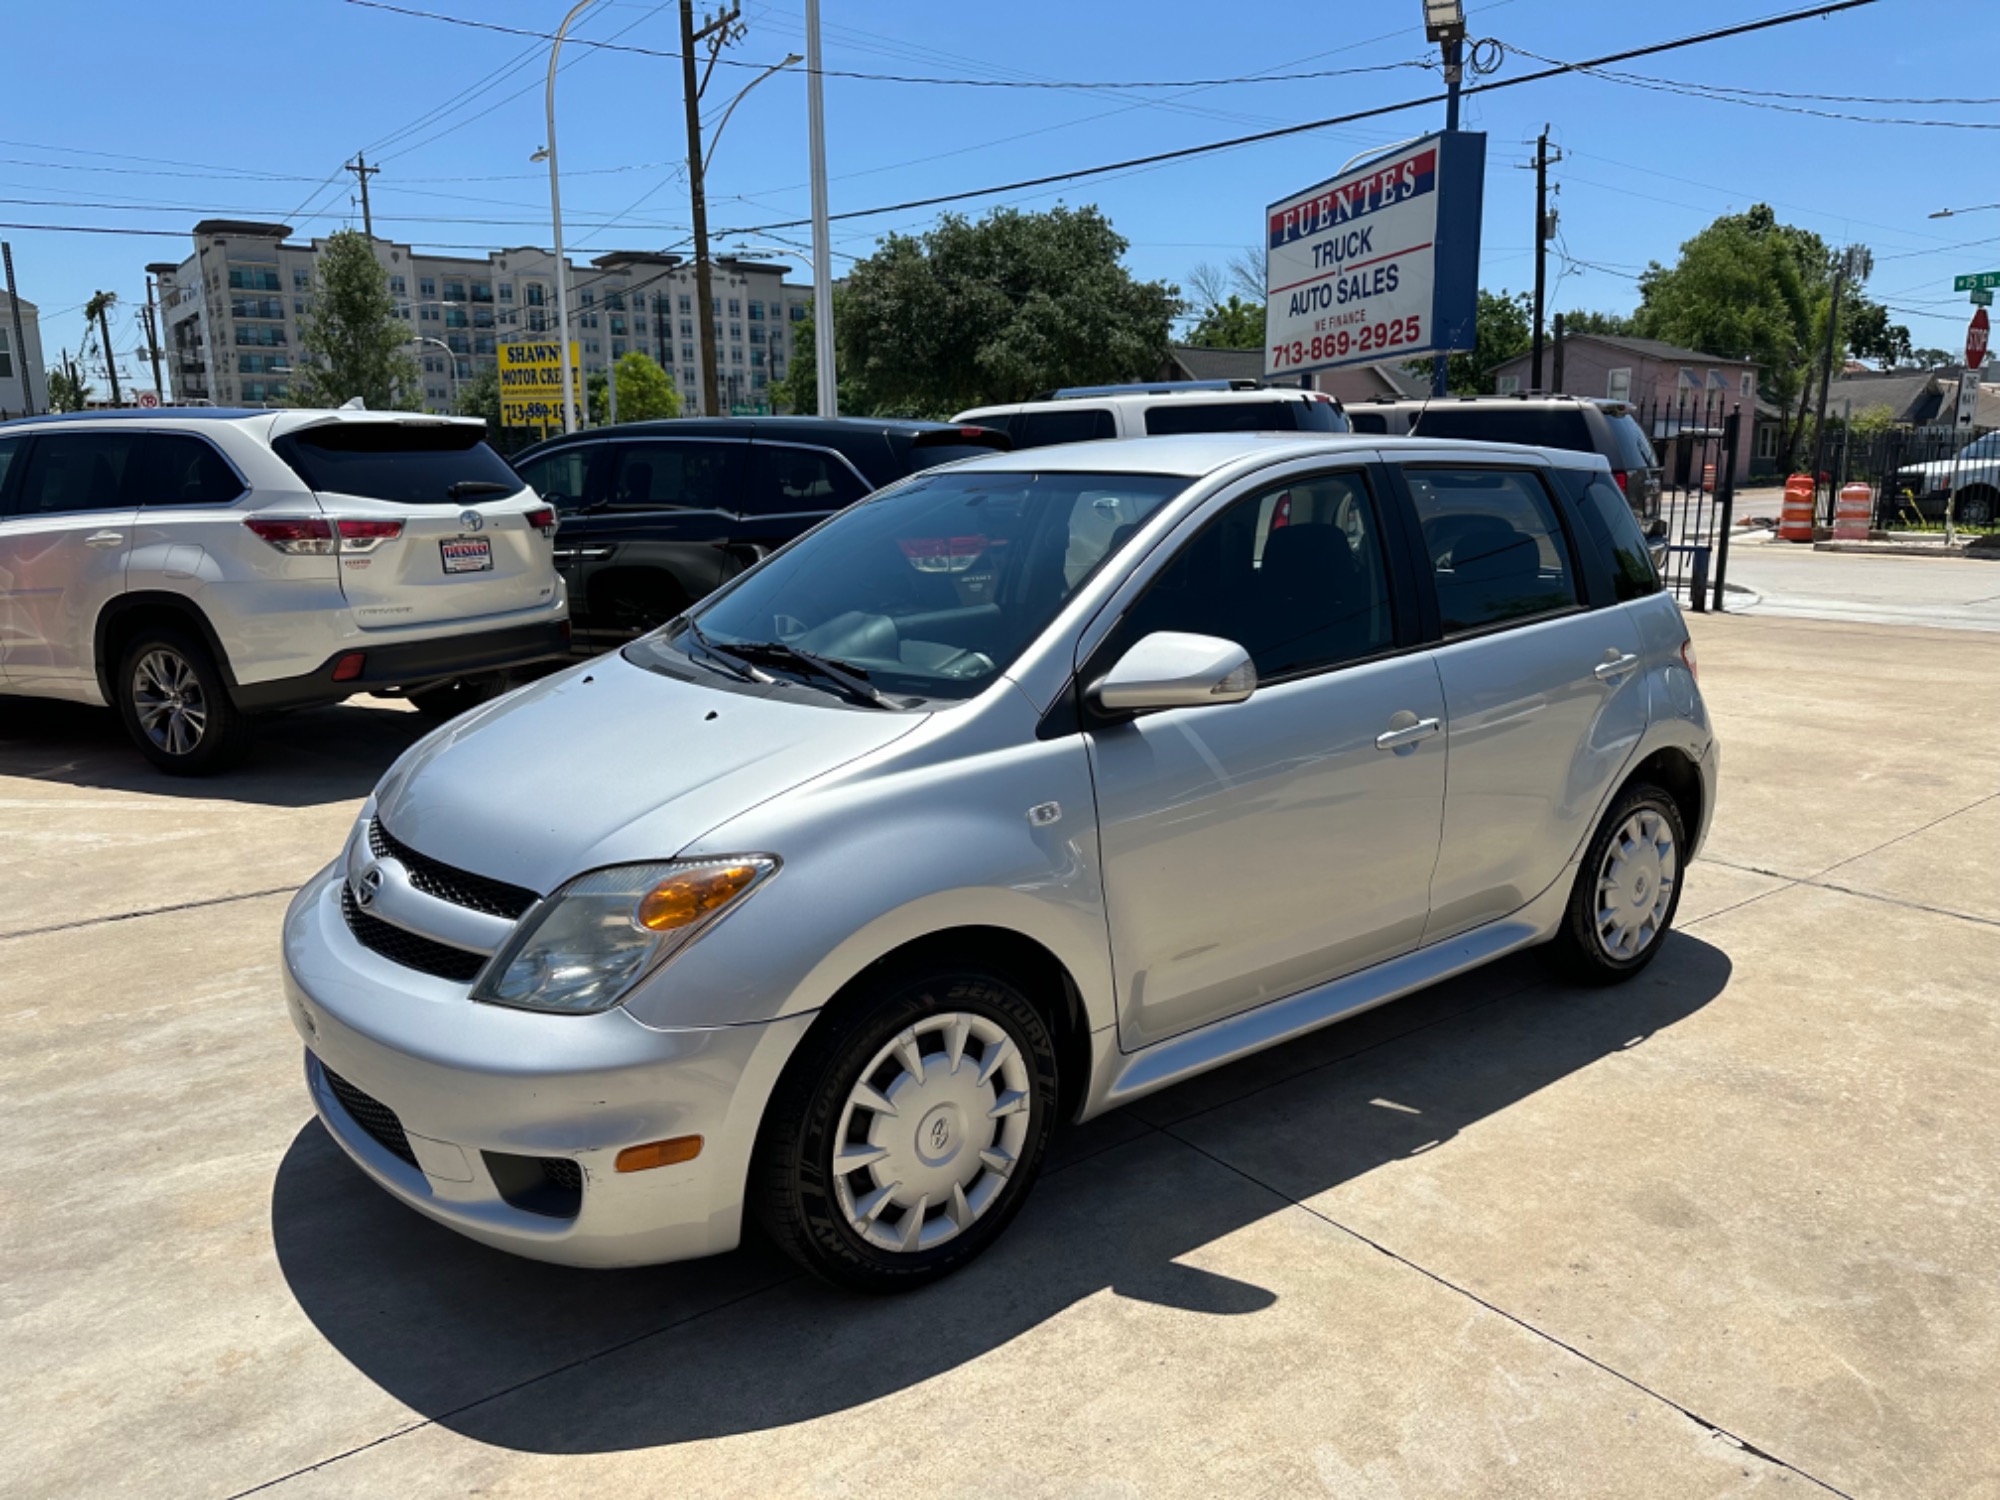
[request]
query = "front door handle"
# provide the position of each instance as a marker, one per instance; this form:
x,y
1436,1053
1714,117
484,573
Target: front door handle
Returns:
x,y
104,539
1409,734
1615,666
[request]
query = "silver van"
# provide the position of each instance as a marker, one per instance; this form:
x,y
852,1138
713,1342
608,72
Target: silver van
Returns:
x,y
1021,789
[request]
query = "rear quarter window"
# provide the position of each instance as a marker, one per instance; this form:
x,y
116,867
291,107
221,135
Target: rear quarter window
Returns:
x,y
1631,564
409,463
1535,427
1040,429
1629,438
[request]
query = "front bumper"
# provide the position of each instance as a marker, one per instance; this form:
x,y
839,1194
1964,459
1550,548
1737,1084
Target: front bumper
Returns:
x,y
409,664
469,1082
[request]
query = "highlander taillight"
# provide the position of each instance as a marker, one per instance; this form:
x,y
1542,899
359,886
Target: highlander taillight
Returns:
x,y
302,536
543,520
366,536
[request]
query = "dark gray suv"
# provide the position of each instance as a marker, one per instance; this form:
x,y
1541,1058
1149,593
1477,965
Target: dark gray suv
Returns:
x,y
1577,423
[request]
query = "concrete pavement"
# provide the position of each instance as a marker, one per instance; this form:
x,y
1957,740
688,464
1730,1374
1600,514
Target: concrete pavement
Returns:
x,y
1794,580
1728,1229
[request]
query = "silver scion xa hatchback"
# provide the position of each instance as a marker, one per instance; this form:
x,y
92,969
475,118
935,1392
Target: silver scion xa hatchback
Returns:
x,y
1023,788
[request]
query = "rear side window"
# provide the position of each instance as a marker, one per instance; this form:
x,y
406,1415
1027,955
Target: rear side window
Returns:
x,y
787,480
1496,548
410,463
558,477
8,448
1173,417
1038,429
1368,421
69,472
180,469
1535,426
1634,452
1631,563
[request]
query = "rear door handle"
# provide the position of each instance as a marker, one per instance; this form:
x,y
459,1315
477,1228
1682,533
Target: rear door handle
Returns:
x,y
1396,739
104,539
1617,666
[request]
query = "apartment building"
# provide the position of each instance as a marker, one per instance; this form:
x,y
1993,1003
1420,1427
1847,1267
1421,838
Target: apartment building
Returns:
x,y
232,314
24,382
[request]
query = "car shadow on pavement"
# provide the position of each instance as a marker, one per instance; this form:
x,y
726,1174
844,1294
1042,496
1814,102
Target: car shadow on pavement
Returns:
x,y
301,759
545,1359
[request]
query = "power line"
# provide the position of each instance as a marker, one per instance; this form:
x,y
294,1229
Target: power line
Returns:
x,y
180,208
1184,152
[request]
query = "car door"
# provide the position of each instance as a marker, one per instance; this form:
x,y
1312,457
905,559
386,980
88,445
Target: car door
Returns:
x,y
560,477
1543,695
1253,850
63,545
654,533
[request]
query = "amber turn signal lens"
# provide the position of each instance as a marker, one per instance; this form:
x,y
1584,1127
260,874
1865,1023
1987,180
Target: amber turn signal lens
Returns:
x,y
659,1154
686,899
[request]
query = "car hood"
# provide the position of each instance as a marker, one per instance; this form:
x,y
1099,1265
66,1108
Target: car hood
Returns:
x,y
607,763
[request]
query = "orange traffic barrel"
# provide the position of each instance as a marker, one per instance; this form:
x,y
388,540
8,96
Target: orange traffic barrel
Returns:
x,y
1708,477
1797,521
1853,512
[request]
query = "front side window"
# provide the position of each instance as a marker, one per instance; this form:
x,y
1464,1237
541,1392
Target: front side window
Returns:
x,y
675,475
1496,548
787,480
180,469
75,471
1294,574
936,587
558,477
408,462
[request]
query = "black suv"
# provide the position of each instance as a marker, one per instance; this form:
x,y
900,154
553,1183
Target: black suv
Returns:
x,y
1579,423
656,514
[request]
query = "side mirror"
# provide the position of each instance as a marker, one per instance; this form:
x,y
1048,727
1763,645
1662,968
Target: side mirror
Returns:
x,y
1656,542
1169,669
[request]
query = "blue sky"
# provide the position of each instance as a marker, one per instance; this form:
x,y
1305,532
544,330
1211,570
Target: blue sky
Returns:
x,y
148,117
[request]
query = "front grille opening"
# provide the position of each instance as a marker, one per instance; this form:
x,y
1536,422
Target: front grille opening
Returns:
x,y
409,949
372,1115
446,882
551,1186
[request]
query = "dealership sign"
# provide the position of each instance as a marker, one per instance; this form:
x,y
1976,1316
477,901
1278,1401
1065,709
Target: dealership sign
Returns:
x,y
1380,263
531,384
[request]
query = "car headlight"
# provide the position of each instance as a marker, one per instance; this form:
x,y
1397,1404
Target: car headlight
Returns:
x,y
585,947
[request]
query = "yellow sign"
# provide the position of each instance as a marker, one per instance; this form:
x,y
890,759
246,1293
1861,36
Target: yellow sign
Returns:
x,y
531,384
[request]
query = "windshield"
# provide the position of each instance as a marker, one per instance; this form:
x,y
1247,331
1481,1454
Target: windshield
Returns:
x,y
936,587
1984,447
415,463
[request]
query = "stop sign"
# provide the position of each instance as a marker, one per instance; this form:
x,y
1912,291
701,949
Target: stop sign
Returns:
x,y
1975,340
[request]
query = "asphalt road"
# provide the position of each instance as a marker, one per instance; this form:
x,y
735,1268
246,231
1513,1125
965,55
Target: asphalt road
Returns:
x,y
1794,580
1727,1229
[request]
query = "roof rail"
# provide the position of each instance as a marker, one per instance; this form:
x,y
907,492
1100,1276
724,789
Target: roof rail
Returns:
x,y
1151,388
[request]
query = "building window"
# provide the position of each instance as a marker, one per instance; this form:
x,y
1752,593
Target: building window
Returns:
x,y
454,291
1685,383
736,330
592,346
735,307
398,286
1506,385
457,317
427,287
482,291
687,303
1749,385
253,279
618,325
1767,438
301,279
506,291
798,312
6,355
534,294
614,301
618,348
538,320
1618,386
458,343
736,355
687,351
756,334
638,325
588,299
757,381
756,312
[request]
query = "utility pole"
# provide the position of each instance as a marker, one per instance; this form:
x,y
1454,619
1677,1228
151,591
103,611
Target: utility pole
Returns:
x,y
153,340
110,354
20,336
1556,380
822,250
1544,232
360,168
719,27
1856,262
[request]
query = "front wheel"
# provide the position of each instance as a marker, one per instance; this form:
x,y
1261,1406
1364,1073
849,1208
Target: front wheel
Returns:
x,y
176,706
905,1133
1626,892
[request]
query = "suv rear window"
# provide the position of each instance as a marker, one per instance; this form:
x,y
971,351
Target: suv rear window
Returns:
x,y
1039,429
1535,426
411,463
1634,452
1175,417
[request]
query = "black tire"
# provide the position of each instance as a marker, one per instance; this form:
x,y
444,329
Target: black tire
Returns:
x,y
1579,951
794,1191
447,700
176,706
1974,506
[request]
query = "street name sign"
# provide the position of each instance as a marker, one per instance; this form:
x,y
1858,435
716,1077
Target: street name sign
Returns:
x,y
531,384
1979,281
1982,297
1380,263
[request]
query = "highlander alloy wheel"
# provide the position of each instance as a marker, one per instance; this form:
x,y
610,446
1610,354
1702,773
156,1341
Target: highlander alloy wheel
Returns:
x,y
167,696
176,704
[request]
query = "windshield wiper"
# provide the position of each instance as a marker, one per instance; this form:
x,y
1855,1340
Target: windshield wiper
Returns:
x,y
735,666
851,679
466,487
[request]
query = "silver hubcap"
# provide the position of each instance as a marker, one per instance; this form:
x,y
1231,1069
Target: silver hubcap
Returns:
x,y
168,697
1635,885
931,1132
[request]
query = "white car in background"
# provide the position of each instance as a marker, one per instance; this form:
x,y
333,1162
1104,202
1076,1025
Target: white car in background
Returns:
x,y
193,569
1970,477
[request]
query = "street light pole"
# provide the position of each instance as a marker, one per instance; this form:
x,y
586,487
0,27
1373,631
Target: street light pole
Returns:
x,y
450,363
555,213
1444,23
822,250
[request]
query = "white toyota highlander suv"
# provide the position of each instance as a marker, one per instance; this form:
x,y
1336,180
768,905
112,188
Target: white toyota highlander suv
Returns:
x,y
196,568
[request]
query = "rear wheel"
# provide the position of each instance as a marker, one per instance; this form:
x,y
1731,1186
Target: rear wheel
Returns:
x,y
176,706
905,1133
1974,506
1627,890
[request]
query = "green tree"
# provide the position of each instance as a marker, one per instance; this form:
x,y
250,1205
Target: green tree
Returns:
x,y
98,311
67,392
1610,325
1932,359
480,397
645,391
351,341
1870,334
1232,324
1504,328
1228,304
994,310
798,392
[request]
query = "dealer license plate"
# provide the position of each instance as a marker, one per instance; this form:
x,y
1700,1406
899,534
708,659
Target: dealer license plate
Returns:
x,y
467,554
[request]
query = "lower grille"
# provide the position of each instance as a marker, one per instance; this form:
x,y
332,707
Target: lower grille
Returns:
x,y
409,949
373,1116
551,1186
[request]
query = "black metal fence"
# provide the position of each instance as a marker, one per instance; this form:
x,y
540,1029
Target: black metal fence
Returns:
x,y
1912,470
1697,440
